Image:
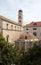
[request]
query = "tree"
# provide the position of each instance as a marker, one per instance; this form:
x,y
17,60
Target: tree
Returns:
x,y
32,57
10,55
7,52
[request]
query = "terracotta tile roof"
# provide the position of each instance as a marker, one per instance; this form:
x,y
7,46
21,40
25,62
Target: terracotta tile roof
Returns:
x,y
33,24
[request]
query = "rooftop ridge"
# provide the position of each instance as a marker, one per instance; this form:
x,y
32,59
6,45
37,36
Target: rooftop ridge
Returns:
x,y
32,24
6,19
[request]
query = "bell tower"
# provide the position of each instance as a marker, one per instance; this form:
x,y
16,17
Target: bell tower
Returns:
x,y
20,17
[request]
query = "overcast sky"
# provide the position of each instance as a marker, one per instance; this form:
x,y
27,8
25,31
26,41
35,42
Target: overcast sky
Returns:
x,y
31,9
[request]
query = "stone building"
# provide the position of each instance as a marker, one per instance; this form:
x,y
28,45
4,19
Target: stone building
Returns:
x,y
10,29
25,42
33,28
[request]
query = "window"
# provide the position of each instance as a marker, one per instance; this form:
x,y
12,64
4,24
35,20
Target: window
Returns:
x,y
7,26
20,21
19,16
11,26
25,37
27,29
34,33
15,27
34,28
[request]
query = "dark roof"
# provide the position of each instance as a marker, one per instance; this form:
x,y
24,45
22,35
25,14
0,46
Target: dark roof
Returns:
x,y
20,10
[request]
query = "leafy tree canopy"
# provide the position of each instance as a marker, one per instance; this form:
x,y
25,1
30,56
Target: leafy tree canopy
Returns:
x,y
32,57
7,52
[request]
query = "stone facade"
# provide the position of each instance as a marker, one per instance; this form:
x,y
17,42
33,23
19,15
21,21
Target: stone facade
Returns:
x,y
24,44
33,29
10,30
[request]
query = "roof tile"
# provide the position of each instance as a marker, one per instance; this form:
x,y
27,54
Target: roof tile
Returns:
x,y
33,24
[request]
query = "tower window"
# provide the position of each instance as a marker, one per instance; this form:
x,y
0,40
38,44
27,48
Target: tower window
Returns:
x,y
20,21
34,33
19,16
15,27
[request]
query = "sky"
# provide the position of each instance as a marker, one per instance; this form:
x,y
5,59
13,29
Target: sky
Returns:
x,y
31,10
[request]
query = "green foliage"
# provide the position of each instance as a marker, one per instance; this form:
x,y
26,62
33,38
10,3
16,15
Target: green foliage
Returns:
x,y
32,57
7,52
10,55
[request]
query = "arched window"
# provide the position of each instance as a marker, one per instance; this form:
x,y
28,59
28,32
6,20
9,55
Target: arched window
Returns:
x,y
25,37
7,26
20,17
34,33
12,27
7,38
19,20
15,27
